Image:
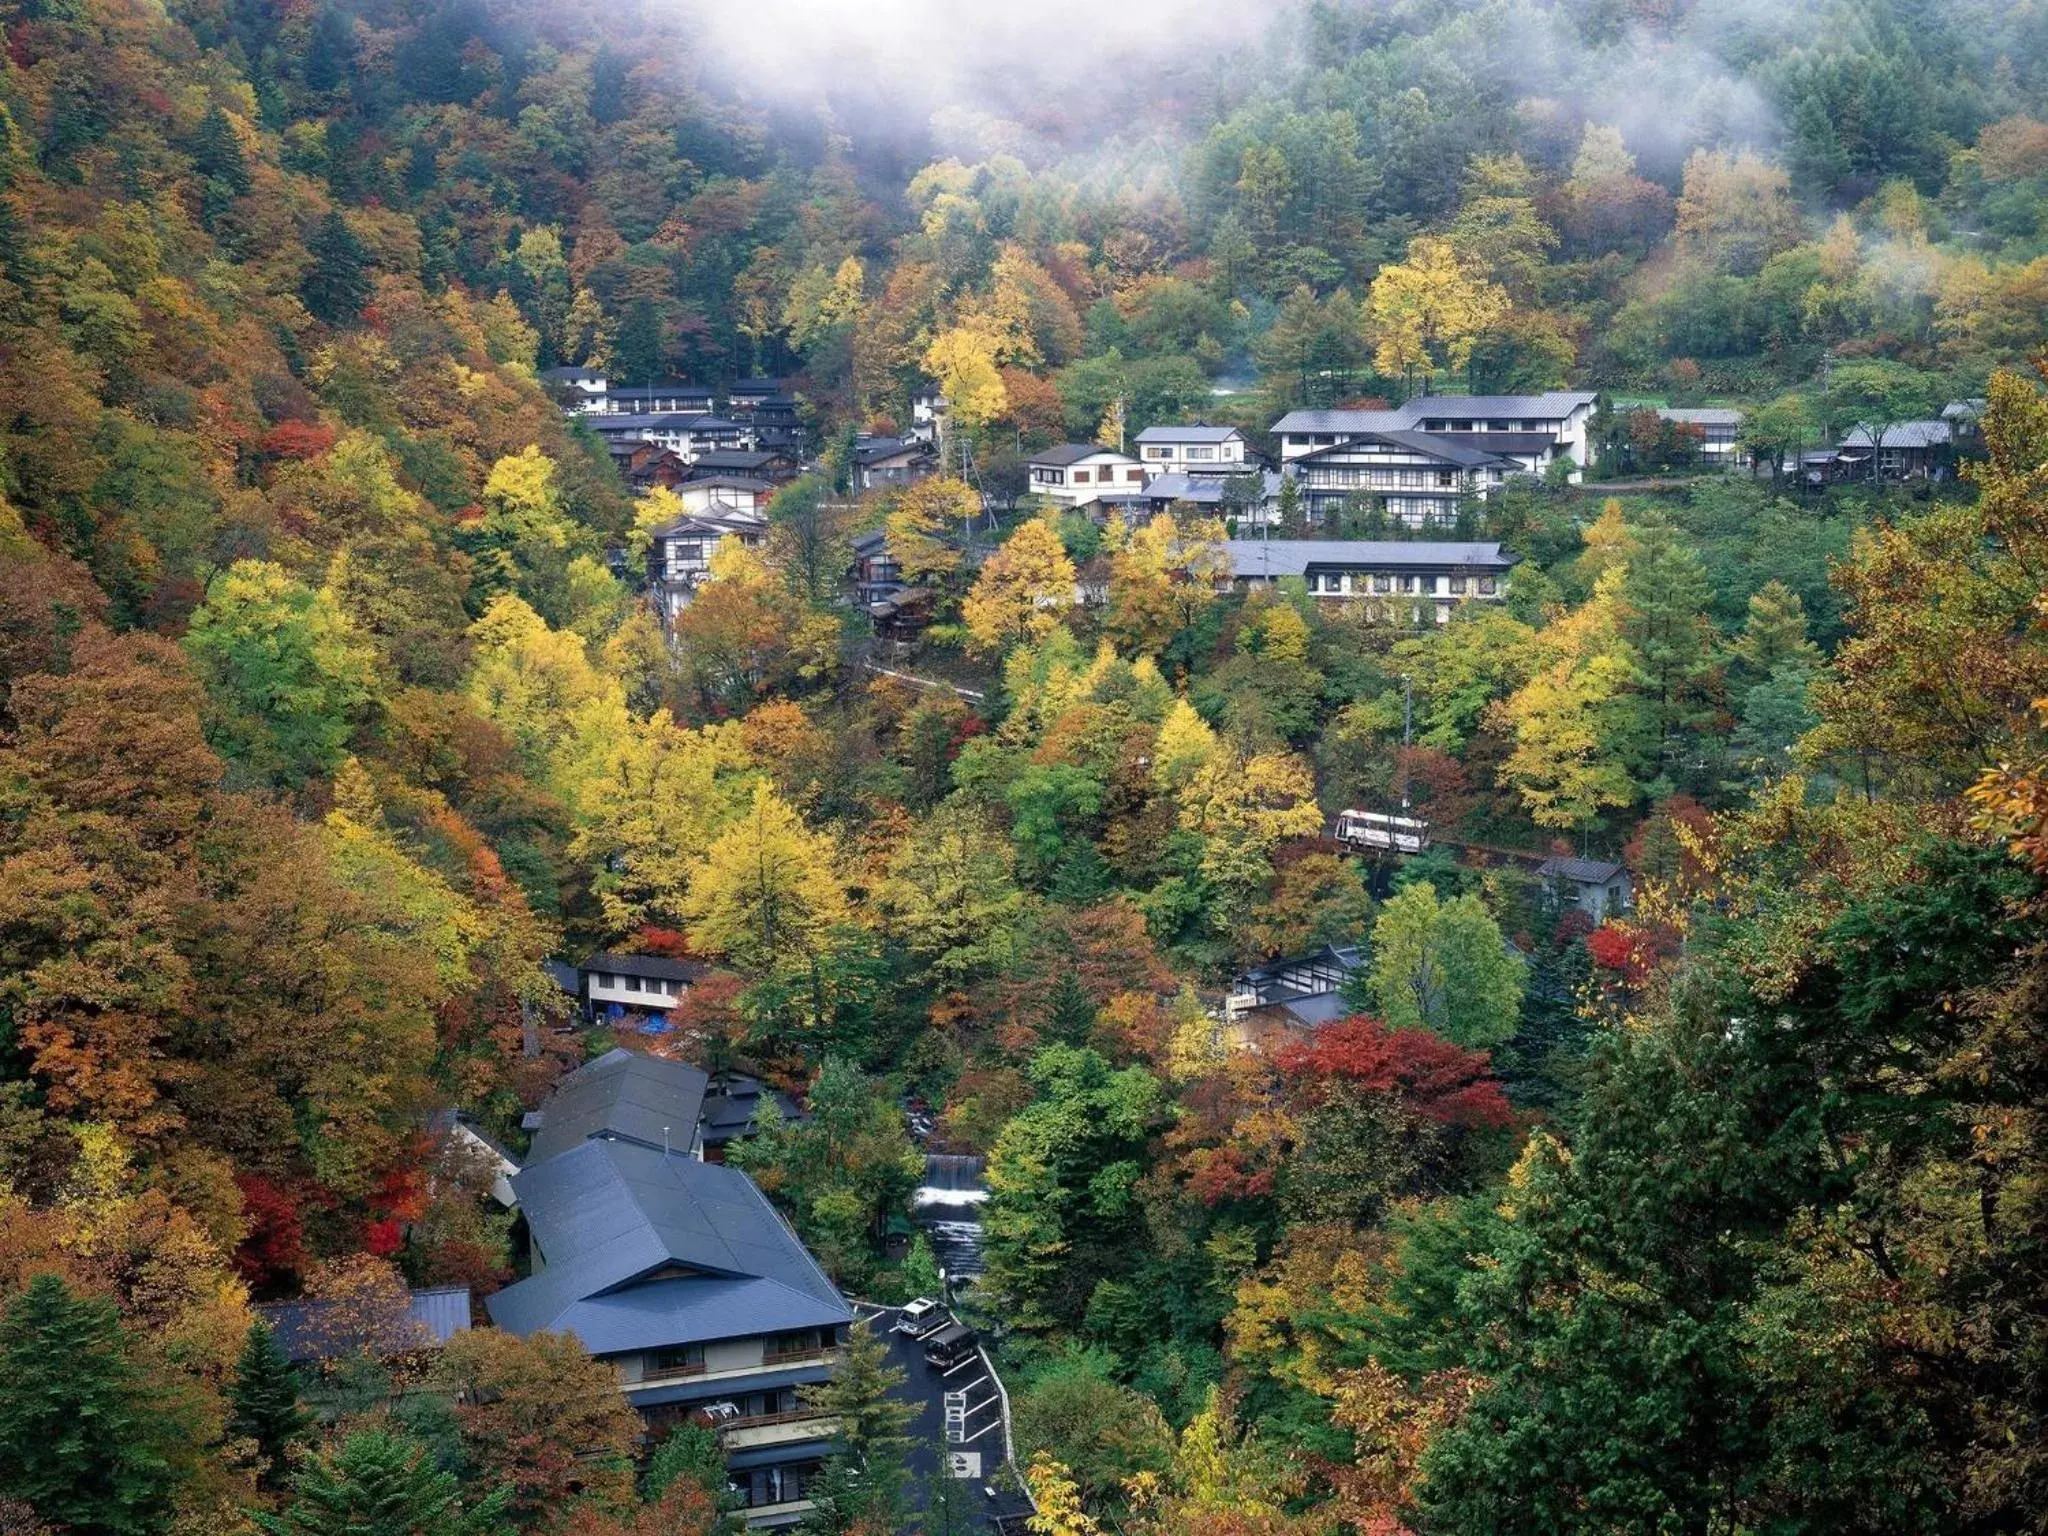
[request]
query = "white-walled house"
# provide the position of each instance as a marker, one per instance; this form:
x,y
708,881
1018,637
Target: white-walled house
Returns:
x,y
1074,474
635,983
578,389
725,496
679,552
1533,430
1399,581
1418,478
1199,449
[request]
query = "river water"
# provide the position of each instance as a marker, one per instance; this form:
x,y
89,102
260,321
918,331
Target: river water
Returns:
x,y
948,1206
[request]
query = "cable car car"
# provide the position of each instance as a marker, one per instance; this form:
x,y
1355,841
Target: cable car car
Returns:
x,y
1378,832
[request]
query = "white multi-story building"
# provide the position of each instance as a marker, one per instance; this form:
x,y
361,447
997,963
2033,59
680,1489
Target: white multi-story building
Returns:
x,y
1192,450
1533,430
1416,582
1074,474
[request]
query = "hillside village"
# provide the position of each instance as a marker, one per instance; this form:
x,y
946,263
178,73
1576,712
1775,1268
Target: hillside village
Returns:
x,y
880,773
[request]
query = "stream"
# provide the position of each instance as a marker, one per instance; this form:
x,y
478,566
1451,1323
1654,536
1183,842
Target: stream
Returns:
x,y
948,1207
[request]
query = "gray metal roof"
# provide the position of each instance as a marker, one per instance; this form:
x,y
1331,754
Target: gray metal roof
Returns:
x,y
319,1330
1072,453
661,966
1294,557
1204,490
1904,434
645,1250
1341,421
1200,432
1580,871
1702,415
1553,406
1439,445
625,1095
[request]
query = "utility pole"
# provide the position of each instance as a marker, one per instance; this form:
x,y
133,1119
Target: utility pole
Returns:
x,y
1407,731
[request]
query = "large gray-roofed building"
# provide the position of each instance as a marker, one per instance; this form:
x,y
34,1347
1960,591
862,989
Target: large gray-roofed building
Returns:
x,y
636,1250
623,1095
1261,558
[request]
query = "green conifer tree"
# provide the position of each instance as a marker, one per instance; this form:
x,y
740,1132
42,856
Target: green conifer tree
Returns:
x,y
338,284
380,1484
866,1478
264,1403
80,1443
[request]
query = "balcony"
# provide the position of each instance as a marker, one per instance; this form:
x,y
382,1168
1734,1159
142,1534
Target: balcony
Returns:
x,y
766,1429
797,1356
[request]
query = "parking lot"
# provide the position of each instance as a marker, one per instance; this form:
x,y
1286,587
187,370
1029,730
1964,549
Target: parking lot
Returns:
x,y
962,1407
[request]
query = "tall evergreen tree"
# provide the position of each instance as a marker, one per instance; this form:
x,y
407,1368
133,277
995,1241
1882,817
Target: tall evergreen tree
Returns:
x,y
380,1484
264,1401
868,1473
337,286
217,153
79,1442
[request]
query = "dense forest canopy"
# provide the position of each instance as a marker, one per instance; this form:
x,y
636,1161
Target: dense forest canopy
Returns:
x,y
332,710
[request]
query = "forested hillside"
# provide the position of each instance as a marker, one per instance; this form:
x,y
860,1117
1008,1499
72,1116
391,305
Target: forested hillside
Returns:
x,y
331,710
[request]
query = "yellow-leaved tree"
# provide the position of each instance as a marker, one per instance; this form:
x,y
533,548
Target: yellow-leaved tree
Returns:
x,y
1162,576
1567,720
1185,745
650,809
1243,806
1058,1500
918,528
963,361
767,891
1429,311
1022,592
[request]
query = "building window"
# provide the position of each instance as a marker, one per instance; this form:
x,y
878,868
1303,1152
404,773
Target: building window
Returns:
x,y
1457,583
762,1486
1155,453
804,1341
1383,583
1136,476
1201,453
1486,586
682,1359
1410,584
632,983
1443,477
1080,477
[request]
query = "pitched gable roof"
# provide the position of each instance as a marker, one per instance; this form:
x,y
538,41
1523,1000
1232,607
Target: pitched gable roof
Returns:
x,y
1294,557
1580,871
1072,453
644,1250
622,1095
1200,432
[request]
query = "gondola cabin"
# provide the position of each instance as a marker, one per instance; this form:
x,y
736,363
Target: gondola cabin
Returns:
x,y
1378,832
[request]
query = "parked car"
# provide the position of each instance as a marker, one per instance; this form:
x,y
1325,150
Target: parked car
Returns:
x,y
920,1317
949,1346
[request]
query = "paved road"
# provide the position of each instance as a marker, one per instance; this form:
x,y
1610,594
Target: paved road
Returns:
x,y
962,1407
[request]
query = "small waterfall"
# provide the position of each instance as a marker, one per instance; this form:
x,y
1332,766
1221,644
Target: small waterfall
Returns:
x,y
948,1206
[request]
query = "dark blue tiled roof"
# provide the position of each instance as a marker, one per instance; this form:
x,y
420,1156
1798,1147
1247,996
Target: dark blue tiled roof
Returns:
x,y
621,1094
643,1250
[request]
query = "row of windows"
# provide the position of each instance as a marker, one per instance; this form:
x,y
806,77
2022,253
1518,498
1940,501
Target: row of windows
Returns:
x,y
1457,586
635,984
1376,477
1189,452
